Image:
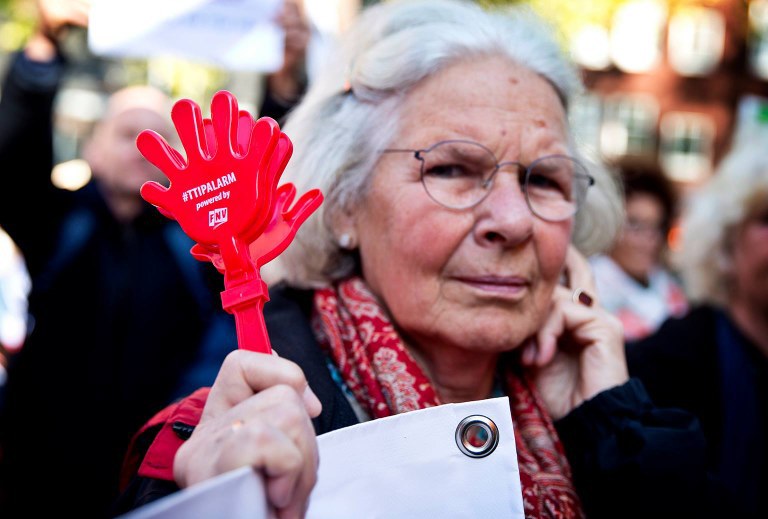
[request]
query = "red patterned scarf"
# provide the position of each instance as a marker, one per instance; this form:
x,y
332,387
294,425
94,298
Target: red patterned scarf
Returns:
x,y
386,380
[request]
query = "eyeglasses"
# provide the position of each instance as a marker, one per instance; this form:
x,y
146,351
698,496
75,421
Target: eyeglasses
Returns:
x,y
459,174
639,228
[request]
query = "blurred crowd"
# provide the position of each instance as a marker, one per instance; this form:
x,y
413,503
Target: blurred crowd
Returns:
x,y
117,311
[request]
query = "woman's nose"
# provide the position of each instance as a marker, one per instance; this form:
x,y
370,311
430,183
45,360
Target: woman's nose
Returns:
x,y
504,216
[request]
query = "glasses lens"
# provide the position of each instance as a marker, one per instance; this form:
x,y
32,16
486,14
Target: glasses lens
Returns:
x,y
455,173
645,229
555,187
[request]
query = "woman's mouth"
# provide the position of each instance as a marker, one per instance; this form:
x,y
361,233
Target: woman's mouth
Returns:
x,y
513,287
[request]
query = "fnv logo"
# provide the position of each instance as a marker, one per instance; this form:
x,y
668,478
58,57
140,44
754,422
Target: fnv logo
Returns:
x,y
217,217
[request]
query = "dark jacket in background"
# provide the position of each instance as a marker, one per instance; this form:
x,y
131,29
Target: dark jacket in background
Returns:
x,y
119,315
702,363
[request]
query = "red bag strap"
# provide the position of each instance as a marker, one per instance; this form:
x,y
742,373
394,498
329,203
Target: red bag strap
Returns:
x,y
157,462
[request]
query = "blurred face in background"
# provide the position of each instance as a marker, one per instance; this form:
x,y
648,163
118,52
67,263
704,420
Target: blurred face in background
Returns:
x,y
112,153
638,247
749,259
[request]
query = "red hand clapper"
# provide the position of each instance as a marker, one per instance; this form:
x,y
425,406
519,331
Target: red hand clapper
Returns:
x,y
225,196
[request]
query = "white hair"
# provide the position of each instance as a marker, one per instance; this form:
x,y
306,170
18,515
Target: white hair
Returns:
x,y
711,214
352,110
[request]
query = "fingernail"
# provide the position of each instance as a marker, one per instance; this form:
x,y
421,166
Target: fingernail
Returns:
x,y
580,296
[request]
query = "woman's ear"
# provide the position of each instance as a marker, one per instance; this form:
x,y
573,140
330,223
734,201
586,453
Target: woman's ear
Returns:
x,y
344,229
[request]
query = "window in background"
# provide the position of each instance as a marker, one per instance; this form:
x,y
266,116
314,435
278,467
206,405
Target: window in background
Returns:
x,y
637,34
687,145
629,126
696,40
590,47
758,37
586,115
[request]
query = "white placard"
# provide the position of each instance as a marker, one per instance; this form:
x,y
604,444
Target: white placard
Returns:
x,y
231,34
407,465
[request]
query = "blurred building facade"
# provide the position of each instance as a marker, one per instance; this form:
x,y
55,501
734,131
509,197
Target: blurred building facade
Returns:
x,y
672,83
669,81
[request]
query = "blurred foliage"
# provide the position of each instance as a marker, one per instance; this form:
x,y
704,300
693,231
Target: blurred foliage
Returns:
x,y
182,78
568,15
568,12
17,19
5,5
571,15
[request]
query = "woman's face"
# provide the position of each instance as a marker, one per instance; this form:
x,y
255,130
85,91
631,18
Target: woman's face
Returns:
x,y
638,246
479,278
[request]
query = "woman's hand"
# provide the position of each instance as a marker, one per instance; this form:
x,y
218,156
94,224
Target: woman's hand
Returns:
x,y
579,350
258,414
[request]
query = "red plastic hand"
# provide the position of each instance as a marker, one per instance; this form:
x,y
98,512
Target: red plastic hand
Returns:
x,y
222,194
285,220
280,231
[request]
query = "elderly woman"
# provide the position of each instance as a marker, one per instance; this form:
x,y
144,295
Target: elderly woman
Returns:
x,y
439,270
714,362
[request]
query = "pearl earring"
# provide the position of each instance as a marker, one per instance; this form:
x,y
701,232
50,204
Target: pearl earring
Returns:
x,y
346,241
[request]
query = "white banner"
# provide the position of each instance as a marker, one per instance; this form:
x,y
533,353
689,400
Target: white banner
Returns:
x,y
408,465
231,34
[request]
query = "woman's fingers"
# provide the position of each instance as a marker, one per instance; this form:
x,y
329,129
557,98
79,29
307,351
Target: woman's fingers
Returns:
x,y
257,414
579,274
276,436
584,325
568,311
270,431
281,407
245,373
549,335
578,351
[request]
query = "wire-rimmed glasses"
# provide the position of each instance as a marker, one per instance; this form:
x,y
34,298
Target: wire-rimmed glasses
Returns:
x,y
458,174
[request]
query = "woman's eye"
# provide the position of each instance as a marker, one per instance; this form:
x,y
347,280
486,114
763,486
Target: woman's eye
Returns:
x,y
543,182
448,171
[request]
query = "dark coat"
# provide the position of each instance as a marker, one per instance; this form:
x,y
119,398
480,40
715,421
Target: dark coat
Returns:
x,y
685,365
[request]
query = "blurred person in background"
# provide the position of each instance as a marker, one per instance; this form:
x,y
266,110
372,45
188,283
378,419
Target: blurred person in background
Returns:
x,y
283,88
714,361
633,281
14,291
121,310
